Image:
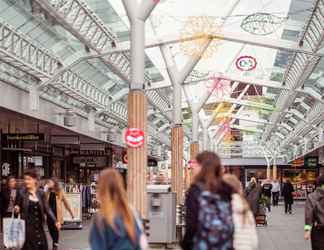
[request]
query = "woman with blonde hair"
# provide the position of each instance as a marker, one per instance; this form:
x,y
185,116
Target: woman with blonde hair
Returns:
x,y
245,234
115,226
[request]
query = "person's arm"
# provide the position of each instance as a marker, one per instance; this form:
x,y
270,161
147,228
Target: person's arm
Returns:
x,y
192,207
309,217
66,204
48,211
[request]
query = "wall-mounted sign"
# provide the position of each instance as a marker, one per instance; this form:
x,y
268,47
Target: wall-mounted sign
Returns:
x,y
134,137
246,63
23,137
297,163
311,162
88,161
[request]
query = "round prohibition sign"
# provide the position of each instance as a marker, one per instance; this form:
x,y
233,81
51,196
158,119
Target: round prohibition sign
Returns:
x,y
134,137
246,63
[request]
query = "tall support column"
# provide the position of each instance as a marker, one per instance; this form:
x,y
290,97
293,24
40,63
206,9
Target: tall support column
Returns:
x,y
275,169
137,103
177,162
205,138
194,147
137,157
34,97
92,120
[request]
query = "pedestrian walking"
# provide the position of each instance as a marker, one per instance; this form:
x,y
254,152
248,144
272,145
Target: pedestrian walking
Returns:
x,y
245,234
56,199
253,195
31,204
8,196
314,216
266,192
115,226
275,192
287,193
214,227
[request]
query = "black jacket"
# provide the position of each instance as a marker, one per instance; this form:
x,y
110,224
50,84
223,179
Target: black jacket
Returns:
x,y
314,208
287,193
22,201
192,210
4,200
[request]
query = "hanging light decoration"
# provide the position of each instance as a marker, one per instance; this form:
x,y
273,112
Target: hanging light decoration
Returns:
x,y
262,24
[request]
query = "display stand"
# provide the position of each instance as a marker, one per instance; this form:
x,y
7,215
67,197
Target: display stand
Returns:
x,y
74,200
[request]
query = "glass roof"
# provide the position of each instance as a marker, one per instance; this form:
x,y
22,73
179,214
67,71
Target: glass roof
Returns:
x,y
227,69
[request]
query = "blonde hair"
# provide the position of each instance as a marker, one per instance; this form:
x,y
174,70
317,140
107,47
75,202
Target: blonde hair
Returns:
x,y
237,187
113,201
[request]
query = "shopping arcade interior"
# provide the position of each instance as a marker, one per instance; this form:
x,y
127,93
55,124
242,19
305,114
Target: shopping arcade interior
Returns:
x,y
83,63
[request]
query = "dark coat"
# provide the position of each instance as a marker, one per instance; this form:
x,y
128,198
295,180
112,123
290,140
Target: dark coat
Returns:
x,y
22,201
253,195
287,193
192,210
4,200
314,209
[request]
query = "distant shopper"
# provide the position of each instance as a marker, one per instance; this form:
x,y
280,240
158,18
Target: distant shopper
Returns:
x,y
266,192
32,205
213,225
56,198
253,195
314,216
8,196
245,234
275,192
115,226
287,193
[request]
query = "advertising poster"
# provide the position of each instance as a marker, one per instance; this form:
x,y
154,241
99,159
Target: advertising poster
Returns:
x,y
74,200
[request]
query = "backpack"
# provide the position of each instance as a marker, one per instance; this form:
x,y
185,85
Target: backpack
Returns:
x,y
215,223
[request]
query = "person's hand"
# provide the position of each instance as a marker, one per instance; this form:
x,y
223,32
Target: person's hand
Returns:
x,y
17,209
307,235
72,216
58,225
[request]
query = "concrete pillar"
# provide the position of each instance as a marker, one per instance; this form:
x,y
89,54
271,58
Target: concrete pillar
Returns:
x,y
177,162
34,97
206,144
275,168
92,120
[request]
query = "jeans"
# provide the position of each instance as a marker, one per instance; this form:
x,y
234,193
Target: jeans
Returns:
x,y
288,208
275,198
53,231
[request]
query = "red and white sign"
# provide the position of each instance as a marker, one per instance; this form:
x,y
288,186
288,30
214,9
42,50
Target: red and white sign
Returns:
x,y
134,137
246,63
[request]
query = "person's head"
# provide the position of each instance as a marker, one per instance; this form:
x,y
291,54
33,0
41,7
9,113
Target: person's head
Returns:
x,y
11,182
211,170
53,185
112,198
234,182
31,178
195,167
320,181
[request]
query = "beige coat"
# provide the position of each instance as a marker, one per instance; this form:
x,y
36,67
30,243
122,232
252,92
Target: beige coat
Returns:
x,y
60,200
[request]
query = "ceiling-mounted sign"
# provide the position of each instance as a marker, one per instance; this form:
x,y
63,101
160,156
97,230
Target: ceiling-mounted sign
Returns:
x,y
134,137
246,63
23,137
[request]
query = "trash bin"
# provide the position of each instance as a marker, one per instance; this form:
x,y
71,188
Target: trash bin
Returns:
x,y
161,214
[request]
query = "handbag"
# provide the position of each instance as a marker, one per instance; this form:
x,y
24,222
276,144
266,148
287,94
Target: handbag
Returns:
x,y
13,232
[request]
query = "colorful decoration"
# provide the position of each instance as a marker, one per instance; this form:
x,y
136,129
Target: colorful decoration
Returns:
x,y
219,87
262,23
134,137
200,26
246,63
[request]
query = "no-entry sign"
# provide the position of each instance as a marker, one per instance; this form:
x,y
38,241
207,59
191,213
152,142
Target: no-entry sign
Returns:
x,y
134,137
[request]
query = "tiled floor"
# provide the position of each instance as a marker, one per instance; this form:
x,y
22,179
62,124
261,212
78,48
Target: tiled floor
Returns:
x,y
284,232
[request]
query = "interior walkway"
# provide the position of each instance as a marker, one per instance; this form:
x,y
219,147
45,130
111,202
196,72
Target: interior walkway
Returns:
x,y
284,232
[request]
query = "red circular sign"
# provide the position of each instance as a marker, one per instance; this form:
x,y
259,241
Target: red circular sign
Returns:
x,y
246,63
134,137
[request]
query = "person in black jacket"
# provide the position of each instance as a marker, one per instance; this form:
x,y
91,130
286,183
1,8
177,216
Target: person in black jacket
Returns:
x,y
8,197
287,193
31,204
193,195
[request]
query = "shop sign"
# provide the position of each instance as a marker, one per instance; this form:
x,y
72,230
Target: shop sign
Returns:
x,y
23,137
298,163
246,63
5,169
152,163
134,137
311,162
90,161
74,200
